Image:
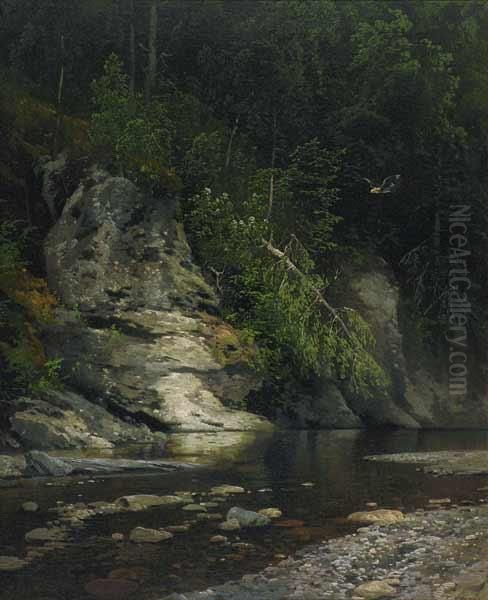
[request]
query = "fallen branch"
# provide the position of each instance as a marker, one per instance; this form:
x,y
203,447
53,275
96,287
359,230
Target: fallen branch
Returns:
x,y
320,297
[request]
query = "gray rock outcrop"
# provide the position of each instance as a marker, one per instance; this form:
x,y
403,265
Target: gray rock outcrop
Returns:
x,y
137,332
65,419
418,394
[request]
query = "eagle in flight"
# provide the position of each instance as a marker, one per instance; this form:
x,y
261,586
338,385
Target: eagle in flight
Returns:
x,y
389,185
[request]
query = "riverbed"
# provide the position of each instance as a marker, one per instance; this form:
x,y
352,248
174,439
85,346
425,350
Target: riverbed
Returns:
x,y
272,468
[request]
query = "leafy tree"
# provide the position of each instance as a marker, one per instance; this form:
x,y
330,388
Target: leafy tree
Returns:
x,y
136,136
277,295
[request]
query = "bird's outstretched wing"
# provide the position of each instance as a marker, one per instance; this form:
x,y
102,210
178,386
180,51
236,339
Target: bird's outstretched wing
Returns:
x,y
390,184
368,181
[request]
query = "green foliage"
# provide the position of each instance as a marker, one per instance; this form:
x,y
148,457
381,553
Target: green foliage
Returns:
x,y
311,179
50,376
301,98
26,366
276,306
135,136
204,161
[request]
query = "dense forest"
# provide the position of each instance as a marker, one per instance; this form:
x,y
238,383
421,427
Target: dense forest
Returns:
x,y
264,120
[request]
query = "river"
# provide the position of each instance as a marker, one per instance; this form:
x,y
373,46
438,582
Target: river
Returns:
x,y
272,468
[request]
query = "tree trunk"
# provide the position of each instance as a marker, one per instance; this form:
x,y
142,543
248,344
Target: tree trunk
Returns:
x,y
228,154
59,115
132,49
273,162
119,25
152,64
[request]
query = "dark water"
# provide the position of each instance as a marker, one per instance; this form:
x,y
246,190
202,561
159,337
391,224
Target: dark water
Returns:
x,y
281,463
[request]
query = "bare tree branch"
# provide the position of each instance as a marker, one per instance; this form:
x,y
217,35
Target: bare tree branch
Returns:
x,y
320,297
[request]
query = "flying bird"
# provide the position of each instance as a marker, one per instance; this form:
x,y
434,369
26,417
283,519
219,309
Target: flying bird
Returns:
x,y
389,185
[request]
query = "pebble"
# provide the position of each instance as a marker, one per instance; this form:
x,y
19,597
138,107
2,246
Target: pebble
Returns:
x,y
195,508
151,536
218,539
11,563
178,528
227,489
271,513
230,525
417,557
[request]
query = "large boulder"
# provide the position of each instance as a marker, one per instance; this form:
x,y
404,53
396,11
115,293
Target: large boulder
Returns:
x,y
317,404
247,518
64,419
40,463
138,333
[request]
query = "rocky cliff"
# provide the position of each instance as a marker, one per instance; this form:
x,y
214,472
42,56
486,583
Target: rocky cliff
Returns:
x,y
142,349
418,396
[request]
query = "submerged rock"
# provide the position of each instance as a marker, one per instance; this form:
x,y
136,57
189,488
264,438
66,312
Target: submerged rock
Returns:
x,y
43,534
209,517
142,501
195,508
218,539
178,528
11,563
247,518
227,489
142,535
271,513
30,507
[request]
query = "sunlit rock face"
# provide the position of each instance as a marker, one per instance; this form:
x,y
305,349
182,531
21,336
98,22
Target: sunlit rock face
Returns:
x,y
138,331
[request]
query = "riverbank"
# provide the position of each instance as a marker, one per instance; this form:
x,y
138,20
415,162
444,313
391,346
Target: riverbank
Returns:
x,y
315,479
439,463
431,555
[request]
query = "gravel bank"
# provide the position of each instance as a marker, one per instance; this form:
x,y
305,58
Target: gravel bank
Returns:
x,y
474,462
434,555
